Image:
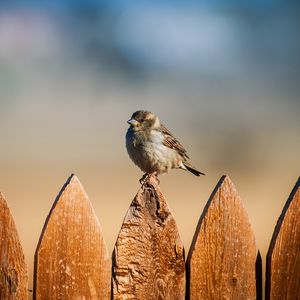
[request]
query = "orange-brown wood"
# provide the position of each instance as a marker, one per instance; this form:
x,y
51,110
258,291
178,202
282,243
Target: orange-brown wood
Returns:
x,y
283,258
222,258
71,260
13,270
148,260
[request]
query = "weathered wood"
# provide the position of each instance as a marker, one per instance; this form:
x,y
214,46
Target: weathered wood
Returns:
x,y
148,260
71,260
13,270
283,258
222,258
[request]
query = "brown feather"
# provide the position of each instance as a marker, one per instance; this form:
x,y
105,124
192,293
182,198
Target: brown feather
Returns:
x,y
171,142
192,169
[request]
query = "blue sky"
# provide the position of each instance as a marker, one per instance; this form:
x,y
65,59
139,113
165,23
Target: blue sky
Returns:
x,y
256,4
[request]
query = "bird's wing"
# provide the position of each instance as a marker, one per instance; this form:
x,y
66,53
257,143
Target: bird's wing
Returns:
x,y
171,142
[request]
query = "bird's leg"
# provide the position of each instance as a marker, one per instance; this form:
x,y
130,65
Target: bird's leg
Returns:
x,y
147,183
144,178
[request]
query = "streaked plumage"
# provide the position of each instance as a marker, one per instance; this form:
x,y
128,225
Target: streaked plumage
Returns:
x,y
153,148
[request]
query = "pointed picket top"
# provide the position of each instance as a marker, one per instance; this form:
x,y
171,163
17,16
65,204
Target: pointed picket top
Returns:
x,y
283,258
148,260
222,259
71,259
13,270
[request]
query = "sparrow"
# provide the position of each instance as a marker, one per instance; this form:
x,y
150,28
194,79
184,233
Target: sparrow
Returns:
x,y
153,148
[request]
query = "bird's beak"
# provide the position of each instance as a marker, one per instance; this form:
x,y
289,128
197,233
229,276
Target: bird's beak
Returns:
x,y
132,122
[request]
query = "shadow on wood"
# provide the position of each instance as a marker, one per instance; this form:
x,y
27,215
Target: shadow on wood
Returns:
x,y
148,260
258,275
13,270
71,259
222,257
283,258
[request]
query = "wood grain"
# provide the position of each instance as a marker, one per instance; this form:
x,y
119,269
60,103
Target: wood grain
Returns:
x,y
283,258
13,270
148,260
222,258
71,260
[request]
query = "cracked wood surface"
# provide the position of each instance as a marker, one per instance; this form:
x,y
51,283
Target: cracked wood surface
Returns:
x,y
148,260
13,270
283,258
71,260
222,258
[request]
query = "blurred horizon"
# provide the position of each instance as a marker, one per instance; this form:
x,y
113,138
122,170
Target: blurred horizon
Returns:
x,y
222,76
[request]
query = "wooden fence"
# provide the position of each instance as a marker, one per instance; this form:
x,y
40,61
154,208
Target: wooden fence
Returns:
x,y
148,262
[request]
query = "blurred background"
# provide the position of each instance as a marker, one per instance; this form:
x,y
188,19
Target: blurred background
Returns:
x,y
223,76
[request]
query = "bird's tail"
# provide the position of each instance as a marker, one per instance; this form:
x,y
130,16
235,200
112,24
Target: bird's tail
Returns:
x,y
193,170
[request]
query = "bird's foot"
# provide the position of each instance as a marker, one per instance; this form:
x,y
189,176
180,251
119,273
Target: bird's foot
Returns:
x,y
147,176
144,178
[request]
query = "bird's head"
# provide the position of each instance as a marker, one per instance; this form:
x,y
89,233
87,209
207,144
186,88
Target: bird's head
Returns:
x,y
143,120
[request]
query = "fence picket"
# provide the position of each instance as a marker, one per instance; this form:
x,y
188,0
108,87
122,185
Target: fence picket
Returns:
x,y
283,258
222,258
71,260
148,260
13,270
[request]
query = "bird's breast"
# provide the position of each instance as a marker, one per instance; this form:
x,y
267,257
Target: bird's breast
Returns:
x,y
149,153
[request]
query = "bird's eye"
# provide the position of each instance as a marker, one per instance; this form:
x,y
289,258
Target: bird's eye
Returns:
x,y
142,120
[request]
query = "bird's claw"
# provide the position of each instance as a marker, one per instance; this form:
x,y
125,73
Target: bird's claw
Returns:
x,y
146,176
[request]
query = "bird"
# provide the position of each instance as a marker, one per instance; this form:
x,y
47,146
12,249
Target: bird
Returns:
x,y
153,148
